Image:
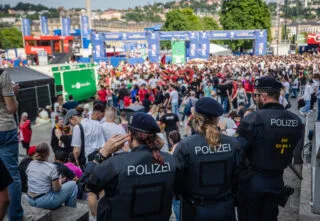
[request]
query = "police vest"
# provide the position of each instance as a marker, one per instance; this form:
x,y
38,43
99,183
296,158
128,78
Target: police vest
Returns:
x,y
210,169
278,132
145,189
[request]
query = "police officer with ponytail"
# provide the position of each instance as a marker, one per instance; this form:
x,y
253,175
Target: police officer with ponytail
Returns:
x,y
138,185
268,137
207,167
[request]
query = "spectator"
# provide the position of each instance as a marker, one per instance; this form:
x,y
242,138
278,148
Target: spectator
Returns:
x,y
57,132
146,103
169,121
98,113
70,104
87,136
123,121
9,148
295,87
71,164
174,100
23,167
25,131
60,158
87,112
307,98
142,93
102,94
110,128
44,186
5,181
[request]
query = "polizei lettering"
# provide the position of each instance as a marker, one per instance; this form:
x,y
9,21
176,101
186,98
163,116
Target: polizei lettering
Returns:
x,y
222,148
147,169
276,122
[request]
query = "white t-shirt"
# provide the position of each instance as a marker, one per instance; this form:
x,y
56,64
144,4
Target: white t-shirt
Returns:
x,y
110,129
93,136
307,92
287,86
175,96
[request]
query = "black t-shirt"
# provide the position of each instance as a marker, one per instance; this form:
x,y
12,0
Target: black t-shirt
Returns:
x,y
170,120
64,171
22,170
146,103
5,178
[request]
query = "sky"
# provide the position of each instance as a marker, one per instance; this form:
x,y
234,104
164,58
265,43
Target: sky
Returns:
x,y
95,4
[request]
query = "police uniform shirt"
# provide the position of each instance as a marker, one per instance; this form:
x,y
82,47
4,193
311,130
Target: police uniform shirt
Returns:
x,y
269,136
204,171
135,187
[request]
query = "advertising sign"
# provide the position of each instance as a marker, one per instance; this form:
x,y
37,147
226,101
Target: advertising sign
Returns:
x,y
85,30
65,26
301,39
26,27
178,52
42,57
260,44
194,41
98,50
44,25
153,46
313,39
204,45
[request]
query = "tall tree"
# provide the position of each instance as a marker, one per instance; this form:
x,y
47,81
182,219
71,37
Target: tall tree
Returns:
x,y
208,23
181,20
245,14
10,38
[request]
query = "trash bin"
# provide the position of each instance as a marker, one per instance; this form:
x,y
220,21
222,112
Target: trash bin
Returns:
x,y
132,109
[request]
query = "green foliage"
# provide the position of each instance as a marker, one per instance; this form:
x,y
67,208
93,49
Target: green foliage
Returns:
x,y
247,15
138,16
10,38
185,19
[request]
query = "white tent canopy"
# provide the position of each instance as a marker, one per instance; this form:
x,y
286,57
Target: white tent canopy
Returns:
x,y
219,50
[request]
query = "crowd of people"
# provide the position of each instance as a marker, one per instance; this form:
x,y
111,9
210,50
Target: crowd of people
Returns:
x,y
201,101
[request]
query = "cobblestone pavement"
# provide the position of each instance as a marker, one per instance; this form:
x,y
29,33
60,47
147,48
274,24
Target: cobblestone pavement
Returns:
x,y
42,133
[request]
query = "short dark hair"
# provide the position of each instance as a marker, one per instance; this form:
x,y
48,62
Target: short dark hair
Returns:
x,y
99,107
70,97
61,155
271,93
175,136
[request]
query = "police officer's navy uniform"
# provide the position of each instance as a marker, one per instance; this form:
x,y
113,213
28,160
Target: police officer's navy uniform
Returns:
x,y
205,175
271,135
135,187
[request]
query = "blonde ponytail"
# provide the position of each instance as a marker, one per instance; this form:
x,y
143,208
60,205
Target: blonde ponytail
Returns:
x,y
208,128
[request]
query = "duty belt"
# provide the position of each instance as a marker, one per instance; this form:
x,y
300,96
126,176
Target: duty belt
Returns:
x,y
197,200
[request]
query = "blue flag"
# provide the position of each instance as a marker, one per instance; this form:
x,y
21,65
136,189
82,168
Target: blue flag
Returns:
x,y
44,25
26,27
65,24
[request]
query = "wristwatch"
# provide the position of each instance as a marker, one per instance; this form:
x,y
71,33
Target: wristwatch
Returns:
x,y
99,158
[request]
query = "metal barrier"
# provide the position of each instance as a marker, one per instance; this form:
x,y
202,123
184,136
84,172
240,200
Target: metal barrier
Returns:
x,y
315,165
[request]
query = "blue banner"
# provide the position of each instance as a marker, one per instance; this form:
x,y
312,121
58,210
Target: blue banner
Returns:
x,y
44,25
26,26
231,35
192,51
173,35
153,40
204,45
260,43
124,36
65,24
85,30
98,50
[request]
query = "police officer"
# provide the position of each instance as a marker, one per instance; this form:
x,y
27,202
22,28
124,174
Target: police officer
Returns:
x,y
269,136
206,167
138,185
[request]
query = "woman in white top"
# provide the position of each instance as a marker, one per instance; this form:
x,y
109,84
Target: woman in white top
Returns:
x,y
241,94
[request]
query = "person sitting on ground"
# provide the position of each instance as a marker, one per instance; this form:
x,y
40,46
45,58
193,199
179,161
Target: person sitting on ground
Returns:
x,y
71,164
23,167
61,157
44,186
43,117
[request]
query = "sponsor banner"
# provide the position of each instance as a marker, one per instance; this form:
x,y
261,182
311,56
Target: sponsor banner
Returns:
x,y
230,35
98,50
44,25
178,52
301,39
313,39
26,26
173,35
85,30
192,46
65,24
260,43
153,40
125,36
204,45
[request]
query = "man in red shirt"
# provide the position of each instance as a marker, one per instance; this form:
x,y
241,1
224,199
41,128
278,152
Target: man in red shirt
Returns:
x,y
248,87
142,93
102,93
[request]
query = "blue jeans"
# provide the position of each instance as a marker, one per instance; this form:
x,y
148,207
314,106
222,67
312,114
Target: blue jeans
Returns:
x,y
176,208
294,92
9,150
52,200
224,103
318,118
306,108
175,108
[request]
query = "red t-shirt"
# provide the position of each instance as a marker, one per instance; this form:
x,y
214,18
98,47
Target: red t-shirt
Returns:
x,y
102,95
126,101
141,94
248,86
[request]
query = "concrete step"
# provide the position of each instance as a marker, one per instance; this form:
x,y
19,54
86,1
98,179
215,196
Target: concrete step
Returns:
x,y
81,213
